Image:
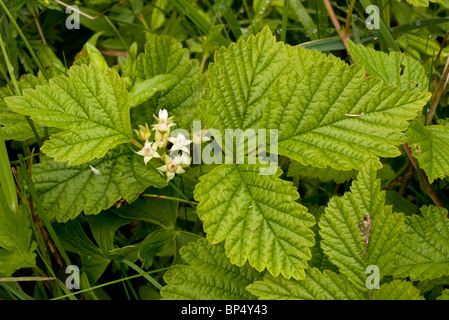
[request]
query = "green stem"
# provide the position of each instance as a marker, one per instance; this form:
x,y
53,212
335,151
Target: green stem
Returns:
x,y
157,196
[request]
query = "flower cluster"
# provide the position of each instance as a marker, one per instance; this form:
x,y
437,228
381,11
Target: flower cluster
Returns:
x,y
179,159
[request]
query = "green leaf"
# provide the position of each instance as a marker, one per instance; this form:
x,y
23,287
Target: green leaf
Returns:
x,y
154,243
430,145
424,251
209,275
258,217
397,290
16,247
143,91
425,3
91,107
327,114
325,175
65,190
444,295
395,68
316,286
332,116
74,239
239,81
341,238
103,227
165,56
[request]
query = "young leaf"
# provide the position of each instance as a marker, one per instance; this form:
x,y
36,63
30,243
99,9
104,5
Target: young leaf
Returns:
x,y
91,107
65,190
316,286
341,234
258,217
424,251
444,295
165,56
430,145
395,68
397,290
208,276
16,247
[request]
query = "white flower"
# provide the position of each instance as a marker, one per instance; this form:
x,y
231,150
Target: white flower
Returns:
x,y
200,136
149,152
179,143
164,122
172,166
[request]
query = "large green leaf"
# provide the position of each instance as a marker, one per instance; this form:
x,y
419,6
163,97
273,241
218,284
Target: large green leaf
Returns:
x,y
165,56
395,68
65,190
90,105
430,145
316,286
328,115
16,247
258,217
240,80
296,169
340,233
424,251
209,275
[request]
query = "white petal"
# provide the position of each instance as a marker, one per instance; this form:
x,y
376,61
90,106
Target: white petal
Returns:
x,y
95,171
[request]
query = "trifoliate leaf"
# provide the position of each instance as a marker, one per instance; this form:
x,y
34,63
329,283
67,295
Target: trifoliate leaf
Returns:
x,y
332,116
397,290
424,250
316,286
209,275
296,169
341,234
65,190
430,145
91,107
165,56
395,68
16,247
258,217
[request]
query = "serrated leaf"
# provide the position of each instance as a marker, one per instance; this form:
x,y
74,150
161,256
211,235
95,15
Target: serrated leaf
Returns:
x,y
332,116
239,81
91,107
430,145
324,174
340,233
16,247
165,56
424,251
209,275
395,68
66,191
326,113
316,286
258,217
397,290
